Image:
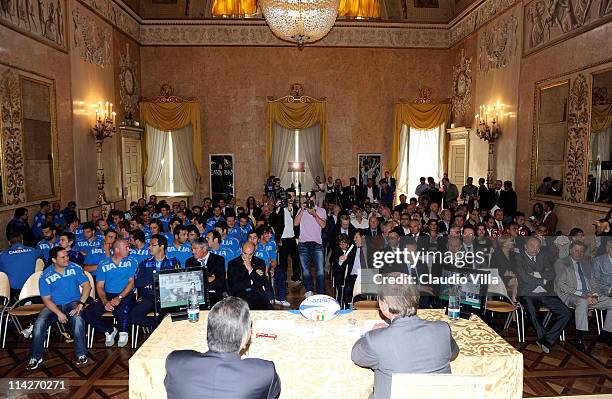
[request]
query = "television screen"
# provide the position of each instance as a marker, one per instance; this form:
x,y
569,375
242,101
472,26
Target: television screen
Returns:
x,y
174,288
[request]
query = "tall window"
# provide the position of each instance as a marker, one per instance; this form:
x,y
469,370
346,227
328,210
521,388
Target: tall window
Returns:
x,y
294,178
420,156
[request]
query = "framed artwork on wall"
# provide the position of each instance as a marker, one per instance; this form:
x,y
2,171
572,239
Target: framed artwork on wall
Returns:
x,y
221,176
369,166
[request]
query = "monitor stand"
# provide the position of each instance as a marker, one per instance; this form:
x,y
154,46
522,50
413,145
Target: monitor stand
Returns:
x,y
178,316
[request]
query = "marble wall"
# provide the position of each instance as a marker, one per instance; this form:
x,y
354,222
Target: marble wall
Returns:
x,y
231,84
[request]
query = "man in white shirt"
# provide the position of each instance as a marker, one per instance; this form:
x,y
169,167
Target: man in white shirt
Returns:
x,y
357,219
422,187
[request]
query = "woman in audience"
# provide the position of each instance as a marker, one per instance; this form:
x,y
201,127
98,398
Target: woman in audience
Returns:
x,y
503,259
537,214
251,208
339,260
408,344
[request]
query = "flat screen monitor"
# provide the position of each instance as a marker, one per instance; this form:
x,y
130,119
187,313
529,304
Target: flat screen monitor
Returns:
x,y
172,289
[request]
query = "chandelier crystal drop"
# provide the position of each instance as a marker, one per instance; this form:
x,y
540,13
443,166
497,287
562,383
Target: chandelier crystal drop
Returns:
x,y
300,21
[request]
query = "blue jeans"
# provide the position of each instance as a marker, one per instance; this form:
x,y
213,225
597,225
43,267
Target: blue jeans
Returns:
x,y
46,317
312,252
94,313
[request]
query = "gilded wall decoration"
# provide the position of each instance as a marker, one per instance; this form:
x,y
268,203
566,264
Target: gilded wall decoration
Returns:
x,y
576,140
44,20
485,12
497,44
129,91
116,16
258,34
462,87
549,21
12,140
91,40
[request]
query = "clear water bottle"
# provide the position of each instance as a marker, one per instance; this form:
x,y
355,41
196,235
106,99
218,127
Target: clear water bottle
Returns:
x,y
193,306
454,302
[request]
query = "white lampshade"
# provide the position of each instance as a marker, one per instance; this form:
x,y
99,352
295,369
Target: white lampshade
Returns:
x,y
300,21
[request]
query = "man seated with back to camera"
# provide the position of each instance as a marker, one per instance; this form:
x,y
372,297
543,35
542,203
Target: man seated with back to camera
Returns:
x,y
215,269
408,344
220,372
246,278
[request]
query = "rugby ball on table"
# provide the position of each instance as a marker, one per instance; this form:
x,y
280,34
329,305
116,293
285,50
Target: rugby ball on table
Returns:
x,y
319,308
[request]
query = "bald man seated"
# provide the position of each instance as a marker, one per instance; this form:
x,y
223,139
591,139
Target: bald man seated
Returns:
x,y
246,278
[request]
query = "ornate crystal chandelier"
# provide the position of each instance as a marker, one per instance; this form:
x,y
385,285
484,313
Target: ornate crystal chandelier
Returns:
x,y
300,21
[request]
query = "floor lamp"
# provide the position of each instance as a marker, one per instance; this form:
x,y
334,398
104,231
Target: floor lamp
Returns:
x,y
297,167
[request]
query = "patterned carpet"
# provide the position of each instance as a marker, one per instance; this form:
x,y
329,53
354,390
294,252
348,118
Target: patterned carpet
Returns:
x,y
565,371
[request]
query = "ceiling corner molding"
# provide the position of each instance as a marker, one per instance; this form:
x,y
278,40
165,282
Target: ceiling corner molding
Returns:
x,y
116,13
470,21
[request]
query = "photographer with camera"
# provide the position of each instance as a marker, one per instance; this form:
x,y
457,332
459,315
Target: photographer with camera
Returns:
x,y
311,220
273,188
284,214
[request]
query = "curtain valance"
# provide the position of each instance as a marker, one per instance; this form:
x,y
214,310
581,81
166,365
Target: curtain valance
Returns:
x,y
173,115
417,116
601,117
296,113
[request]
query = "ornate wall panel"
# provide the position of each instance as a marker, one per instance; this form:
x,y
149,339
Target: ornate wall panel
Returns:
x,y
497,44
462,86
258,34
115,15
44,20
12,138
476,18
129,90
91,40
576,140
549,21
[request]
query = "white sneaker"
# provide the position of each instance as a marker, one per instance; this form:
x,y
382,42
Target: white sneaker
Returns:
x,y
123,339
110,338
283,303
308,294
27,332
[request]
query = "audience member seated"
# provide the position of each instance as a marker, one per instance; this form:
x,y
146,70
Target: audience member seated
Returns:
x,y
577,290
143,281
215,269
18,262
246,278
59,288
408,344
535,278
220,372
114,286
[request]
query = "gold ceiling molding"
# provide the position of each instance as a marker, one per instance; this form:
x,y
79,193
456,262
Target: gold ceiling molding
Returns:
x,y
474,18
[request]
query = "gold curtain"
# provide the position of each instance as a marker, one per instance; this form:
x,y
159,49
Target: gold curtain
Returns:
x,y
234,8
601,117
172,116
369,9
418,116
296,115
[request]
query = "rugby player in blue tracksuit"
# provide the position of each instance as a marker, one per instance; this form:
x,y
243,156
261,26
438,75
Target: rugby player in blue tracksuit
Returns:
x,y
49,241
18,262
138,245
180,249
40,219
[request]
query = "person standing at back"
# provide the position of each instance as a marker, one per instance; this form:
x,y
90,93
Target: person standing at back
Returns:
x,y
220,372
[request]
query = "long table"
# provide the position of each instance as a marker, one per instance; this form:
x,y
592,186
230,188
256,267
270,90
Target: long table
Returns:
x,y
313,359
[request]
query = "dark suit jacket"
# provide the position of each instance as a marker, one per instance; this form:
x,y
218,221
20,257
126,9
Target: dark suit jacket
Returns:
x,y
485,198
408,345
215,265
239,280
351,234
527,282
510,202
551,223
368,232
215,375
348,195
278,221
340,271
442,227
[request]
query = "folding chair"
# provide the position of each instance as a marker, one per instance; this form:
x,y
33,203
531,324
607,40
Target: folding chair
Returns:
x,y
506,305
5,297
24,305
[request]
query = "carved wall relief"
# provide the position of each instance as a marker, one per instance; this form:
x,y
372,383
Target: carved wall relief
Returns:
x,y
128,79
497,44
44,20
462,87
548,21
576,139
13,165
91,40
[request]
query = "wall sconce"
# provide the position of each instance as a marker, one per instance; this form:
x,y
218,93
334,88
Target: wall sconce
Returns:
x,y
484,131
489,133
105,122
104,127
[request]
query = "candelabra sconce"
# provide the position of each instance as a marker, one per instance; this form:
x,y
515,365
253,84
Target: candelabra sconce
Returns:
x,y
104,128
487,129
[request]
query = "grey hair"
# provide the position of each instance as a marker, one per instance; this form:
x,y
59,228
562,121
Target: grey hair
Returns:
x,y
402,298
200,243
228,322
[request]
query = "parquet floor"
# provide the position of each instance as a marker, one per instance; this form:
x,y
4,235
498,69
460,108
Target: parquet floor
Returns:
x,y
565,371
